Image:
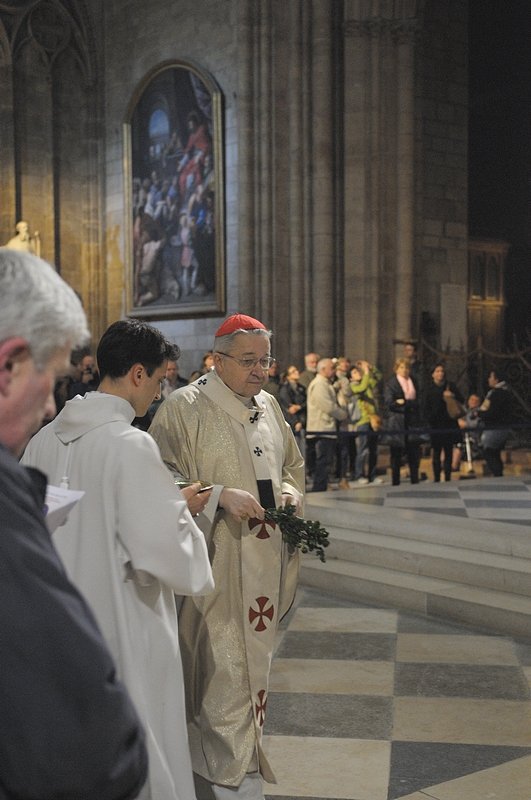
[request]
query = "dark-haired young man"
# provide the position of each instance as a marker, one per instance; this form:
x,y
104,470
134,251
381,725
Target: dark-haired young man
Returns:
x,y
131,542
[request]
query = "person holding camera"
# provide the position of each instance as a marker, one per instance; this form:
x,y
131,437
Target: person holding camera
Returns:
x,y
365,378
87,379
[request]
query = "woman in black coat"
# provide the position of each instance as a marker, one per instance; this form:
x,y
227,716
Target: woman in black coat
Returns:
x,y
292,399
446,433
402,415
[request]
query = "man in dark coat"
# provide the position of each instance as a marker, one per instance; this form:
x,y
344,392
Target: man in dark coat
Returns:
x,y
495,414
68,728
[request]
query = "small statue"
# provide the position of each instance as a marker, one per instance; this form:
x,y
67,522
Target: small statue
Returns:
x,y
23,240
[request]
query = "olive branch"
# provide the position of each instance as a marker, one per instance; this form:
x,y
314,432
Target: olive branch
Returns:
x,y
307,535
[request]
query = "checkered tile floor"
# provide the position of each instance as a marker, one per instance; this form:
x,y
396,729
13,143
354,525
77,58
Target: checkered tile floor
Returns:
x,y
375,704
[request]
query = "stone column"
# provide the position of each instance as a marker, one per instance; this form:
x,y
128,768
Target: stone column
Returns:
x,y
300,329
405,181
264,167
7,142
321,277
367,193
246,277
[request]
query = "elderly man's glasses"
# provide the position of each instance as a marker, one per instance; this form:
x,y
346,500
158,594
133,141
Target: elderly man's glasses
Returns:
x,y
249,363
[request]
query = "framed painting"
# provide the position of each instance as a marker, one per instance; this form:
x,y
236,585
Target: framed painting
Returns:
x,y
173,146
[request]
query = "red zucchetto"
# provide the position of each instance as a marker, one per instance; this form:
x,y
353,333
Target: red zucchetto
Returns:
x,y
238,322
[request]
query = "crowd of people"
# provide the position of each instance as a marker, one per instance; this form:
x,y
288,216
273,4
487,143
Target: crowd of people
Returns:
x,y
138,629
408,413
341,411
351,411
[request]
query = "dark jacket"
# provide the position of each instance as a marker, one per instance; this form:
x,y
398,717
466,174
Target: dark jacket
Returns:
x,y
399,417
435,411
273,386
497,417
293,394
68,727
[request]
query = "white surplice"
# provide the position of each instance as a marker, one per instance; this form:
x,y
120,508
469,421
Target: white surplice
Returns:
x,y
129,545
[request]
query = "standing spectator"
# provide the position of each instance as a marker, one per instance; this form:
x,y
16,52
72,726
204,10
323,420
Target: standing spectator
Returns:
x,y
416,367
86,378
207,362
68,728
169,384
495,413
172,379
310,369
343,367
400,397
346,442
365,379
323,412
445,429
305,378
272,385
131,543
292,399
225,430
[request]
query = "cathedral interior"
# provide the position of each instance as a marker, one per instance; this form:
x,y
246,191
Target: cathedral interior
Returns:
x,y
321,165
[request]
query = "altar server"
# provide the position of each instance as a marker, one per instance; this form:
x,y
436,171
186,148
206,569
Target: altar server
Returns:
x,y
131,542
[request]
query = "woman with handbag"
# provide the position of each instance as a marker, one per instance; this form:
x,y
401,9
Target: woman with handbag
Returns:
x,y
403,416
443,405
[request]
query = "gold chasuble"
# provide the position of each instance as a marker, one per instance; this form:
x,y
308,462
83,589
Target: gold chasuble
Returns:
x,y
227,637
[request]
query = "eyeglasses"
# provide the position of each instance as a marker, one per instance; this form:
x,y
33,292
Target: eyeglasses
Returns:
x,y
249,363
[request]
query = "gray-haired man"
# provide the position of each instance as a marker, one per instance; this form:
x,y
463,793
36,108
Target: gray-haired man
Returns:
x,y
68,727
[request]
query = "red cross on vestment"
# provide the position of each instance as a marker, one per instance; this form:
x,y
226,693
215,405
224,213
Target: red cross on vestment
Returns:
x,y
260,707
265,613
263,526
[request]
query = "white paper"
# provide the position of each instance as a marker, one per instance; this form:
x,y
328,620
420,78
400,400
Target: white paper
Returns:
x,y
58,504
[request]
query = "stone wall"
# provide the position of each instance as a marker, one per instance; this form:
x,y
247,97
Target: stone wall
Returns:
x,y
144,36
345,136
442,171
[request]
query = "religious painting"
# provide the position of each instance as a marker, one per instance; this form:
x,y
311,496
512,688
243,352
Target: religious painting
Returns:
x,y
175,195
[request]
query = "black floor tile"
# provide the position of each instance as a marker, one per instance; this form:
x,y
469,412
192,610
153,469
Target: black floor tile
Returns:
x,y
523,651
328,715
493,682
487,487
418,765
345,646
442,510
